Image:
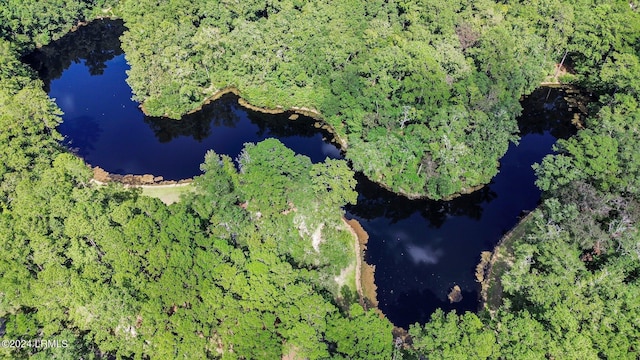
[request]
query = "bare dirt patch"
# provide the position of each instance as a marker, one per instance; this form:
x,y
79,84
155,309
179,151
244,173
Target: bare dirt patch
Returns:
x,y
316,238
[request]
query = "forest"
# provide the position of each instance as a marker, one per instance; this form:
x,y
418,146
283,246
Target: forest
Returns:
x,y
426,94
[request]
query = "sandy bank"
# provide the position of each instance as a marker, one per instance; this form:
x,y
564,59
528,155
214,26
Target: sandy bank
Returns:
x,y
101,176
365,279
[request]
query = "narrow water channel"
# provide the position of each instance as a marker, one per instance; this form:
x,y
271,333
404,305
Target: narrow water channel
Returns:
x,y
420,249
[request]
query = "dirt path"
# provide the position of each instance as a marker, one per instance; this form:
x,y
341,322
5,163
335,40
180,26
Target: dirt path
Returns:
x,y
167,193
316,238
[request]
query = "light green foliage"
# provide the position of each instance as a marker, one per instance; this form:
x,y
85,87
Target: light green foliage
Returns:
x,y
596,156
453,337
602,155
572,288
586,311
605,29
589,156
333,184
13,74
125,275
555,172
27,119
604,51
118,274
33,23
217,196
521,337
282,191
555,22
363,335
270,173
620,73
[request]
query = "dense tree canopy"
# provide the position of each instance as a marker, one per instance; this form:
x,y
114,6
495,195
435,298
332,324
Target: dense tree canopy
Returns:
x,y
426,92
225,273
572,287
247,266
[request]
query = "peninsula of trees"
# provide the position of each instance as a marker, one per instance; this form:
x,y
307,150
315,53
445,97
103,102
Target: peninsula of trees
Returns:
x,y
426,93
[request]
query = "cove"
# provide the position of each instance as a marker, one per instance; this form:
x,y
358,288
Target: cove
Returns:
x,y
85,72
420,249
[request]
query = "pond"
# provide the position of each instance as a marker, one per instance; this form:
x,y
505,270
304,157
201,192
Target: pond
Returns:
x,y
420,248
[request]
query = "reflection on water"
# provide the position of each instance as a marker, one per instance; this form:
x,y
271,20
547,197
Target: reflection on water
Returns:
x,y
420,248
87,131
375,201
107,129
197,125
546,111
424,255
94,44
224,113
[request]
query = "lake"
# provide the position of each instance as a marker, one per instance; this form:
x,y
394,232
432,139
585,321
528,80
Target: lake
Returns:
x,y
420,248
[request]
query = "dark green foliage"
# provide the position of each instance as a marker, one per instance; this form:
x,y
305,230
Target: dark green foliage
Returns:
x,y
115,273
583,300
33,23
270,173
603,155
112,273
363,335
282,191
454,337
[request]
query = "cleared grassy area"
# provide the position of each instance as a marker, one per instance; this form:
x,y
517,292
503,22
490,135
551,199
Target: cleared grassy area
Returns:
x,y
168,194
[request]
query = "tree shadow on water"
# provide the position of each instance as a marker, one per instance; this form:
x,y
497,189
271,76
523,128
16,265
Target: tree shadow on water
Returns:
x,y
418,305
82,132
95,43
199,124
546,109
375,201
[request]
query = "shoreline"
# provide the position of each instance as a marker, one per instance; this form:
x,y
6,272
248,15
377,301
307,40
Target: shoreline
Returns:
x,y
298,110
494,263
314,114
365,273
337,139
102,177
127,186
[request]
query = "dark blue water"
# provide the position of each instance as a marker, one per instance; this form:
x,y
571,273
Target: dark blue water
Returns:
x,y
108,130
420,249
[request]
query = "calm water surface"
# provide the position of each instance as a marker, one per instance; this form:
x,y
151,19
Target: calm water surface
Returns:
x,y
106,128
421,249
